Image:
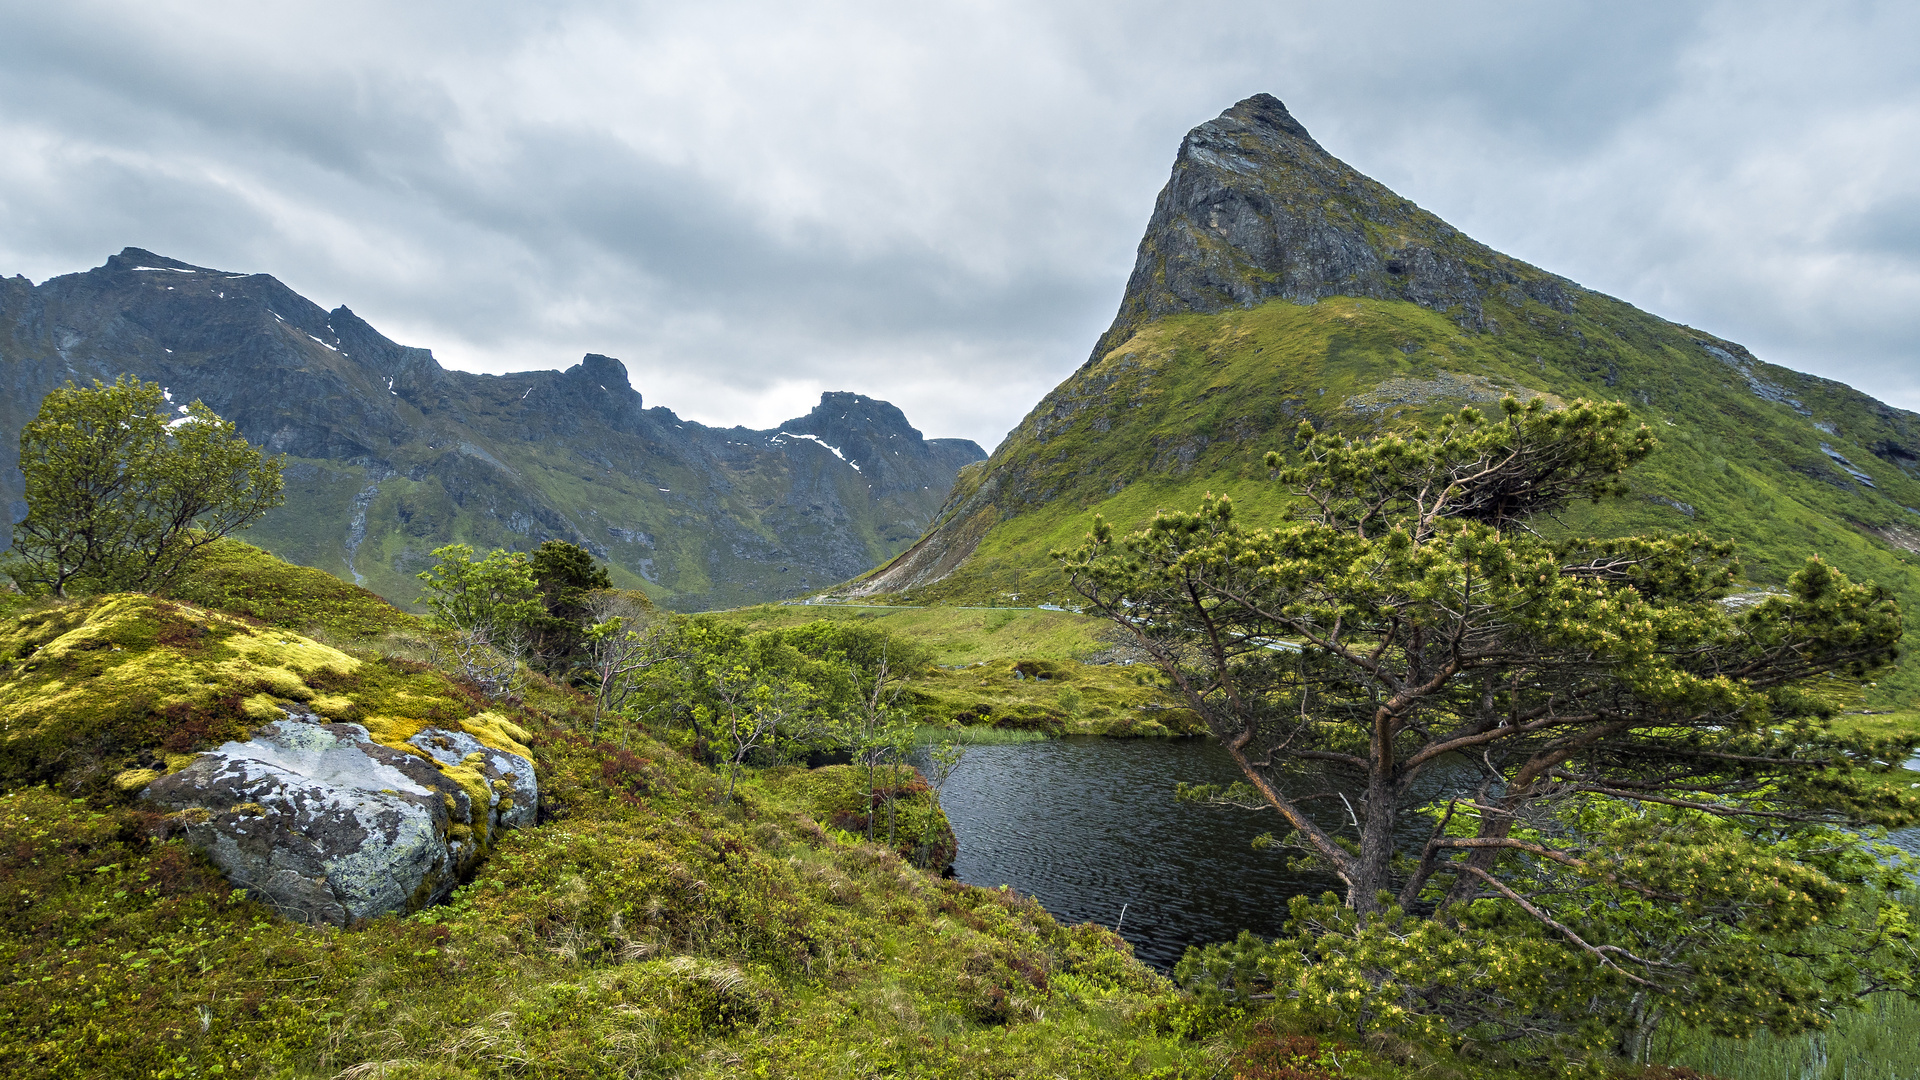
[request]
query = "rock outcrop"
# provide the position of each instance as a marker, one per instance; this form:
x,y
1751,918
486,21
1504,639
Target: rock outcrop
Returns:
x,y
328,825
335,788
390,455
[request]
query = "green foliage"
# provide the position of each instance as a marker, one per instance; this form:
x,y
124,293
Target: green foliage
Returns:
x,y
1412,614
497,592
1781,932
120,498
566,576
484,608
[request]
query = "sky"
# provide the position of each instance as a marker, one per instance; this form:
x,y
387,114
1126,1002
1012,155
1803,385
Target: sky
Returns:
x,y
938,203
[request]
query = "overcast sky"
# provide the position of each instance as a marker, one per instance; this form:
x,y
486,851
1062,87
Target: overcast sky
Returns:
x,y
938,203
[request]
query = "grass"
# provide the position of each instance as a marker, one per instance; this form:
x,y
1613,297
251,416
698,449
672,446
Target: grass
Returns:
x,y
642,929
1008,669
956,635
934,735
241,579
1879,1042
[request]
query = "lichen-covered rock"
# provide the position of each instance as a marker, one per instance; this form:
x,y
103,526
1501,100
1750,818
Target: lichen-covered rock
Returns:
x,y
508,777
328,825
336,787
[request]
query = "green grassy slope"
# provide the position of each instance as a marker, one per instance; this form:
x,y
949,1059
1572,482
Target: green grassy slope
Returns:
x,y
1191,403
1008,669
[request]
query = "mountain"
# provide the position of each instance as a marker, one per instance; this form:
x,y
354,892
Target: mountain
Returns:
x,y
1276,284
389,455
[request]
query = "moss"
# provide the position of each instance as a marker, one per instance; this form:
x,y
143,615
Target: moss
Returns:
x,y
262,708
498,732
134,779
334,706
472,780
92,688
241,579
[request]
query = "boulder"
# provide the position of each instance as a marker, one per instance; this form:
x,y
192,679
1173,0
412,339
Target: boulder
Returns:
x,y
328,825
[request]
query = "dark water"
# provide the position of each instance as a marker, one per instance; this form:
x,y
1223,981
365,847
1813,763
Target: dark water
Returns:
x,y
1086,825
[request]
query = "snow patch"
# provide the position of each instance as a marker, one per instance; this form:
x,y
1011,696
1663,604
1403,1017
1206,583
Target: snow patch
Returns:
x,y
834,450
323,343
175,269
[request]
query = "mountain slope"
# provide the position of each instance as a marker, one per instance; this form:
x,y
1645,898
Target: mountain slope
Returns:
x,y
1276,284
390,455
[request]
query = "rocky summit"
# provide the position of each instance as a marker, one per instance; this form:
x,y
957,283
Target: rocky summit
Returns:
x,y
1277,285
390,455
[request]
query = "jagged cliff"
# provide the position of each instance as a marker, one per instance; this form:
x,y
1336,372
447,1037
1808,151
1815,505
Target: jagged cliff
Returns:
x,y
1276,284
391,455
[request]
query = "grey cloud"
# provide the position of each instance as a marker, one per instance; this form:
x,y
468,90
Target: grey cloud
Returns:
x,y
939,204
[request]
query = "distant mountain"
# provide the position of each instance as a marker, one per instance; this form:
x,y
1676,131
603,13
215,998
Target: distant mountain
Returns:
x,y
390,455
1275,284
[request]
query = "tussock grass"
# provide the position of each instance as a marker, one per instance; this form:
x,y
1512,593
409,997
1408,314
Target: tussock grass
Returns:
x,y
1879,1042
931,735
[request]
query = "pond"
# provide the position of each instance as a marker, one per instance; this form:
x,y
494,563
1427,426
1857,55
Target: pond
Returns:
x,y
1088,826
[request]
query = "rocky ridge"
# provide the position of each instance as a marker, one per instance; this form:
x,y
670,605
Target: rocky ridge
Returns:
x,y
391,455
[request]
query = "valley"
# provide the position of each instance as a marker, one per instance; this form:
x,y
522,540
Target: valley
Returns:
x,y
843,777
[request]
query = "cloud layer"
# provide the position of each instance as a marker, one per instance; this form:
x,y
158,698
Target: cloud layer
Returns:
x,y
938,204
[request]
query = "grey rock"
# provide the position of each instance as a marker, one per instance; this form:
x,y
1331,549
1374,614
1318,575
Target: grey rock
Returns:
x,y
1850,468
328,825
509,776
1673,503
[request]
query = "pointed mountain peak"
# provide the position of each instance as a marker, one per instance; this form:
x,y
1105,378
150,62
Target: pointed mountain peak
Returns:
x,y
1257,210
1266,113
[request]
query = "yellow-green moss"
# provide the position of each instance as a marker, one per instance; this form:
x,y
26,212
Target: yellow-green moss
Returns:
x,y
134,779
474,782
86,688
262,708
496,731
332,706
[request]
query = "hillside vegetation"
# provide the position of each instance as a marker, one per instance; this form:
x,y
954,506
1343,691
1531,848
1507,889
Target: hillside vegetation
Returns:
x,y
640,929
